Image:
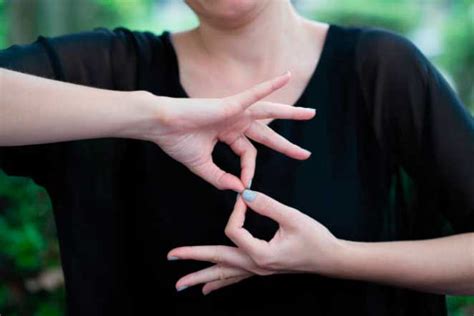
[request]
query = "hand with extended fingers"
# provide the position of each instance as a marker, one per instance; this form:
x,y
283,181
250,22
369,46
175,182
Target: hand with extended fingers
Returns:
x,y
189,129
300,245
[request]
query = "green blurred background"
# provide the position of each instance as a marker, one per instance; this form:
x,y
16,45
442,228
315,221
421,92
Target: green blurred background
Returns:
x,y
31,281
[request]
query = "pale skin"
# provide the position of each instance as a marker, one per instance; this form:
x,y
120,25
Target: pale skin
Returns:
x,y
238,101
301,245
36,110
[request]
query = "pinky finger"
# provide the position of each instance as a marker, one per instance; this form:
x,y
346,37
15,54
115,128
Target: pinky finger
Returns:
x,y
218,284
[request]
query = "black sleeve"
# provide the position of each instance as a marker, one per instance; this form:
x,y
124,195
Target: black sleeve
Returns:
x,y
419,120
99,58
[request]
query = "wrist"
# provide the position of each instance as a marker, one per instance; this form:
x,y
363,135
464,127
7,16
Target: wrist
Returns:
x,y
351,260
341,259
144,114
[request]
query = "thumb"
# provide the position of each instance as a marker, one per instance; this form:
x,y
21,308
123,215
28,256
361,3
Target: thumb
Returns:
x,y
269,207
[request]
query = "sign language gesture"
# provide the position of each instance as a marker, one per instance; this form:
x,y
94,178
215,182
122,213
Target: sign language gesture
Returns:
x,y
301,244
191,127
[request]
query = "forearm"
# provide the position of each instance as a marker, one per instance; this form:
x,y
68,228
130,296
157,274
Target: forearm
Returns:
x,y
38,110
443,265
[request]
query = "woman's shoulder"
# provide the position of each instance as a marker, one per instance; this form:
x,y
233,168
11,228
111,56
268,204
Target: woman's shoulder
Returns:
x,y
141,39
151,53
375,48
375,42
374,52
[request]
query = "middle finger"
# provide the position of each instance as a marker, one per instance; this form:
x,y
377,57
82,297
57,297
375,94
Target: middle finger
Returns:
x,y
263,134
213,273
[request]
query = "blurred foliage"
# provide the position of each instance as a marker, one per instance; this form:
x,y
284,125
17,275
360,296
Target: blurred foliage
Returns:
x,y
3,24
460,305
400,15
119,12
459,58
29,245
404,16
27,231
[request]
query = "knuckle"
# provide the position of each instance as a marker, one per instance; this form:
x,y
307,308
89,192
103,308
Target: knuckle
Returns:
x,y
265,138
291,217
251,113
216,257
256,93
229,109
252,152
219,182
221,273
292,212
229,232
230,103
271,113
267,86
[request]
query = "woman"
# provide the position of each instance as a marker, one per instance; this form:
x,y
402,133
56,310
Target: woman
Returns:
x,y
349,239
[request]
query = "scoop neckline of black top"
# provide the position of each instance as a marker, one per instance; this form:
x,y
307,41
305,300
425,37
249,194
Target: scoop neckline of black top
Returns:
x,y
316,73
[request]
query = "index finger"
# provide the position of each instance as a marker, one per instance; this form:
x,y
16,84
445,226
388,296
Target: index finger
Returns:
x,y
219,178
260,91
240,236
219,254
248,155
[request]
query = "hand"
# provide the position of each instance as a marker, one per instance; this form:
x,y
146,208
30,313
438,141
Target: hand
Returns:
x,y
190,128
300,245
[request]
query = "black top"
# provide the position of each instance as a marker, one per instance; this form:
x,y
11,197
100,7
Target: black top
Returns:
x,y
393,151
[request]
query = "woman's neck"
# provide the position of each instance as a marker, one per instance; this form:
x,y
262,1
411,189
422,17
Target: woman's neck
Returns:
x,y
256,42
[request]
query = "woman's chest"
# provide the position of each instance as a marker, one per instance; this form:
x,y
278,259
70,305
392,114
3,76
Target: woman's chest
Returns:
x,y
342,185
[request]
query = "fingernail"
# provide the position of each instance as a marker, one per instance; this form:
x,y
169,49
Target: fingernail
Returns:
x,y
250,184
249,195
172,258
307,152
184,287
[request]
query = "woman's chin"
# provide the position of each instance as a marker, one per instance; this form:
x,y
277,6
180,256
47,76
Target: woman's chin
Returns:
x,y
227,13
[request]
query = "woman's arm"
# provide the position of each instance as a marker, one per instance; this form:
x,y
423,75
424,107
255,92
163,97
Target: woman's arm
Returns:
x,y
442,265
40,110
302,245
80,85
100,58
37,110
